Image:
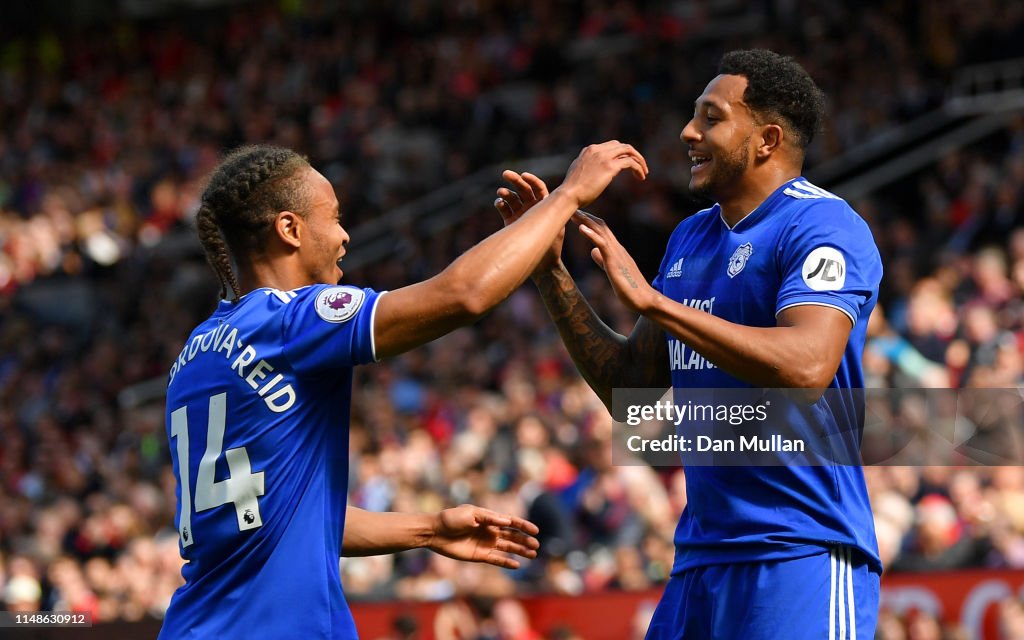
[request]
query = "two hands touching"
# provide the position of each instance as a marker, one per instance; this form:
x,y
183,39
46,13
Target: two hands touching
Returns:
x,y
469,532
625,277
480,535
477,534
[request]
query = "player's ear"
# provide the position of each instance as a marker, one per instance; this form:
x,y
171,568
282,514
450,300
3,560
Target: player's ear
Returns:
x,y
772,136
288,227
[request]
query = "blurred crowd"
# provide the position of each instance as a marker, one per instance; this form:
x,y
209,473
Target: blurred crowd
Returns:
x,y
109,132
108,129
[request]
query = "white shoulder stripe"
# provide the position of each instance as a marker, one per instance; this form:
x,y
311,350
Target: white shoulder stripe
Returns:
x,y
805,190
808,187
793,193
283,296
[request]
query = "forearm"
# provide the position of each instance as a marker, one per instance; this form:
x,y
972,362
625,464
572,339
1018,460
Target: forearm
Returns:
x,y
490,271
369,533
600,354
473,284
770,357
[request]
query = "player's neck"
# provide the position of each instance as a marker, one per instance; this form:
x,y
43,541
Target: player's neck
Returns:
x,y
272,275
750,192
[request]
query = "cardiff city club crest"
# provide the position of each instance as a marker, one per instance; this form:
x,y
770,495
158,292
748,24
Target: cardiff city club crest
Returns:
x,y
739,259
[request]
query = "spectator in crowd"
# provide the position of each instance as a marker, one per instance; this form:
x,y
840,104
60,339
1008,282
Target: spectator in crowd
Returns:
x,y
939,541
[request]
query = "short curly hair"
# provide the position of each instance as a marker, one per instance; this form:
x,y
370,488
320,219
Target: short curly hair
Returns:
x,y
778,88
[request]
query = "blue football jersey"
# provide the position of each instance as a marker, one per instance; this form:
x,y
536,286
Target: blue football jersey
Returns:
x,y
257,420
802,245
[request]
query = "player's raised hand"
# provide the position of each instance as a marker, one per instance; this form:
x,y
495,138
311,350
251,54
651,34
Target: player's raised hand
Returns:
x,y
527,190
629,284
481,535
594,168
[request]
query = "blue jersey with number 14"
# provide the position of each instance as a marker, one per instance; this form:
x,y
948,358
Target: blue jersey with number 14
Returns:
x,y
257,419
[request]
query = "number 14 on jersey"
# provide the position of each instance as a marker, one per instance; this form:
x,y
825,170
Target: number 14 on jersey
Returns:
x,y
242,487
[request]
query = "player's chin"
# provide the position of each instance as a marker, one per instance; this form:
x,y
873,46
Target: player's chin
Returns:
x,y
702,185
698,185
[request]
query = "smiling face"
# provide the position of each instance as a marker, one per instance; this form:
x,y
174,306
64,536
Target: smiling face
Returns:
x,y
719,137
321,255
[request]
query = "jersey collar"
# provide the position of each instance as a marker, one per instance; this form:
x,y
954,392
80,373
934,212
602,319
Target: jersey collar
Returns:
x,y
759,211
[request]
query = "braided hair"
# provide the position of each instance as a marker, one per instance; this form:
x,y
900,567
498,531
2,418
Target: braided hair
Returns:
x,y
240,203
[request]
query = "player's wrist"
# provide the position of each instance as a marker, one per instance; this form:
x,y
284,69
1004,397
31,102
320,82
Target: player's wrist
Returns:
x,y
429,527
569,194
649,303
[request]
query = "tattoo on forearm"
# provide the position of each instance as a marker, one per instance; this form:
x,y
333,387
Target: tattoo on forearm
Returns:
x,y
604,358
595,348
629,277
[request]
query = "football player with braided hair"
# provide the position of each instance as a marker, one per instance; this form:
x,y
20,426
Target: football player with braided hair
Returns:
x,y
258,400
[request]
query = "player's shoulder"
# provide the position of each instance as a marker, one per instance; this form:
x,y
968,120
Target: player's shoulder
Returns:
x,y
700,220
330,303
801,189
333,303
704,216
279,298
807,203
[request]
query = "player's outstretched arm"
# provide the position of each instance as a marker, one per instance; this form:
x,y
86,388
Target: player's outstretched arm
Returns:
x,y
489,272
466,533
802,352
605,359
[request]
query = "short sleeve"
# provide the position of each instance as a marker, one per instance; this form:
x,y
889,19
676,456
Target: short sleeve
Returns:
x,y
329,327
659,279
670,250
829,258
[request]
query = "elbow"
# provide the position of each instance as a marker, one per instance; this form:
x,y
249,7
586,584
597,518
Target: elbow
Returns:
x,y
456,296
468,301
471,304
474,290
475,305
476,294
807,378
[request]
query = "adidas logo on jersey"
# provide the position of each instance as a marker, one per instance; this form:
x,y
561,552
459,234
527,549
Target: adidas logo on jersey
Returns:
x,y
676,270
807,191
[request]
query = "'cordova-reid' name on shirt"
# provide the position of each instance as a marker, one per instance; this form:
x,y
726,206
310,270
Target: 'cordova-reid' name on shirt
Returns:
x,y
225,339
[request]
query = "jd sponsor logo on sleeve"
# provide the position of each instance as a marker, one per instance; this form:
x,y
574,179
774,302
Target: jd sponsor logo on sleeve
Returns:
x,y
338,304
825,269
